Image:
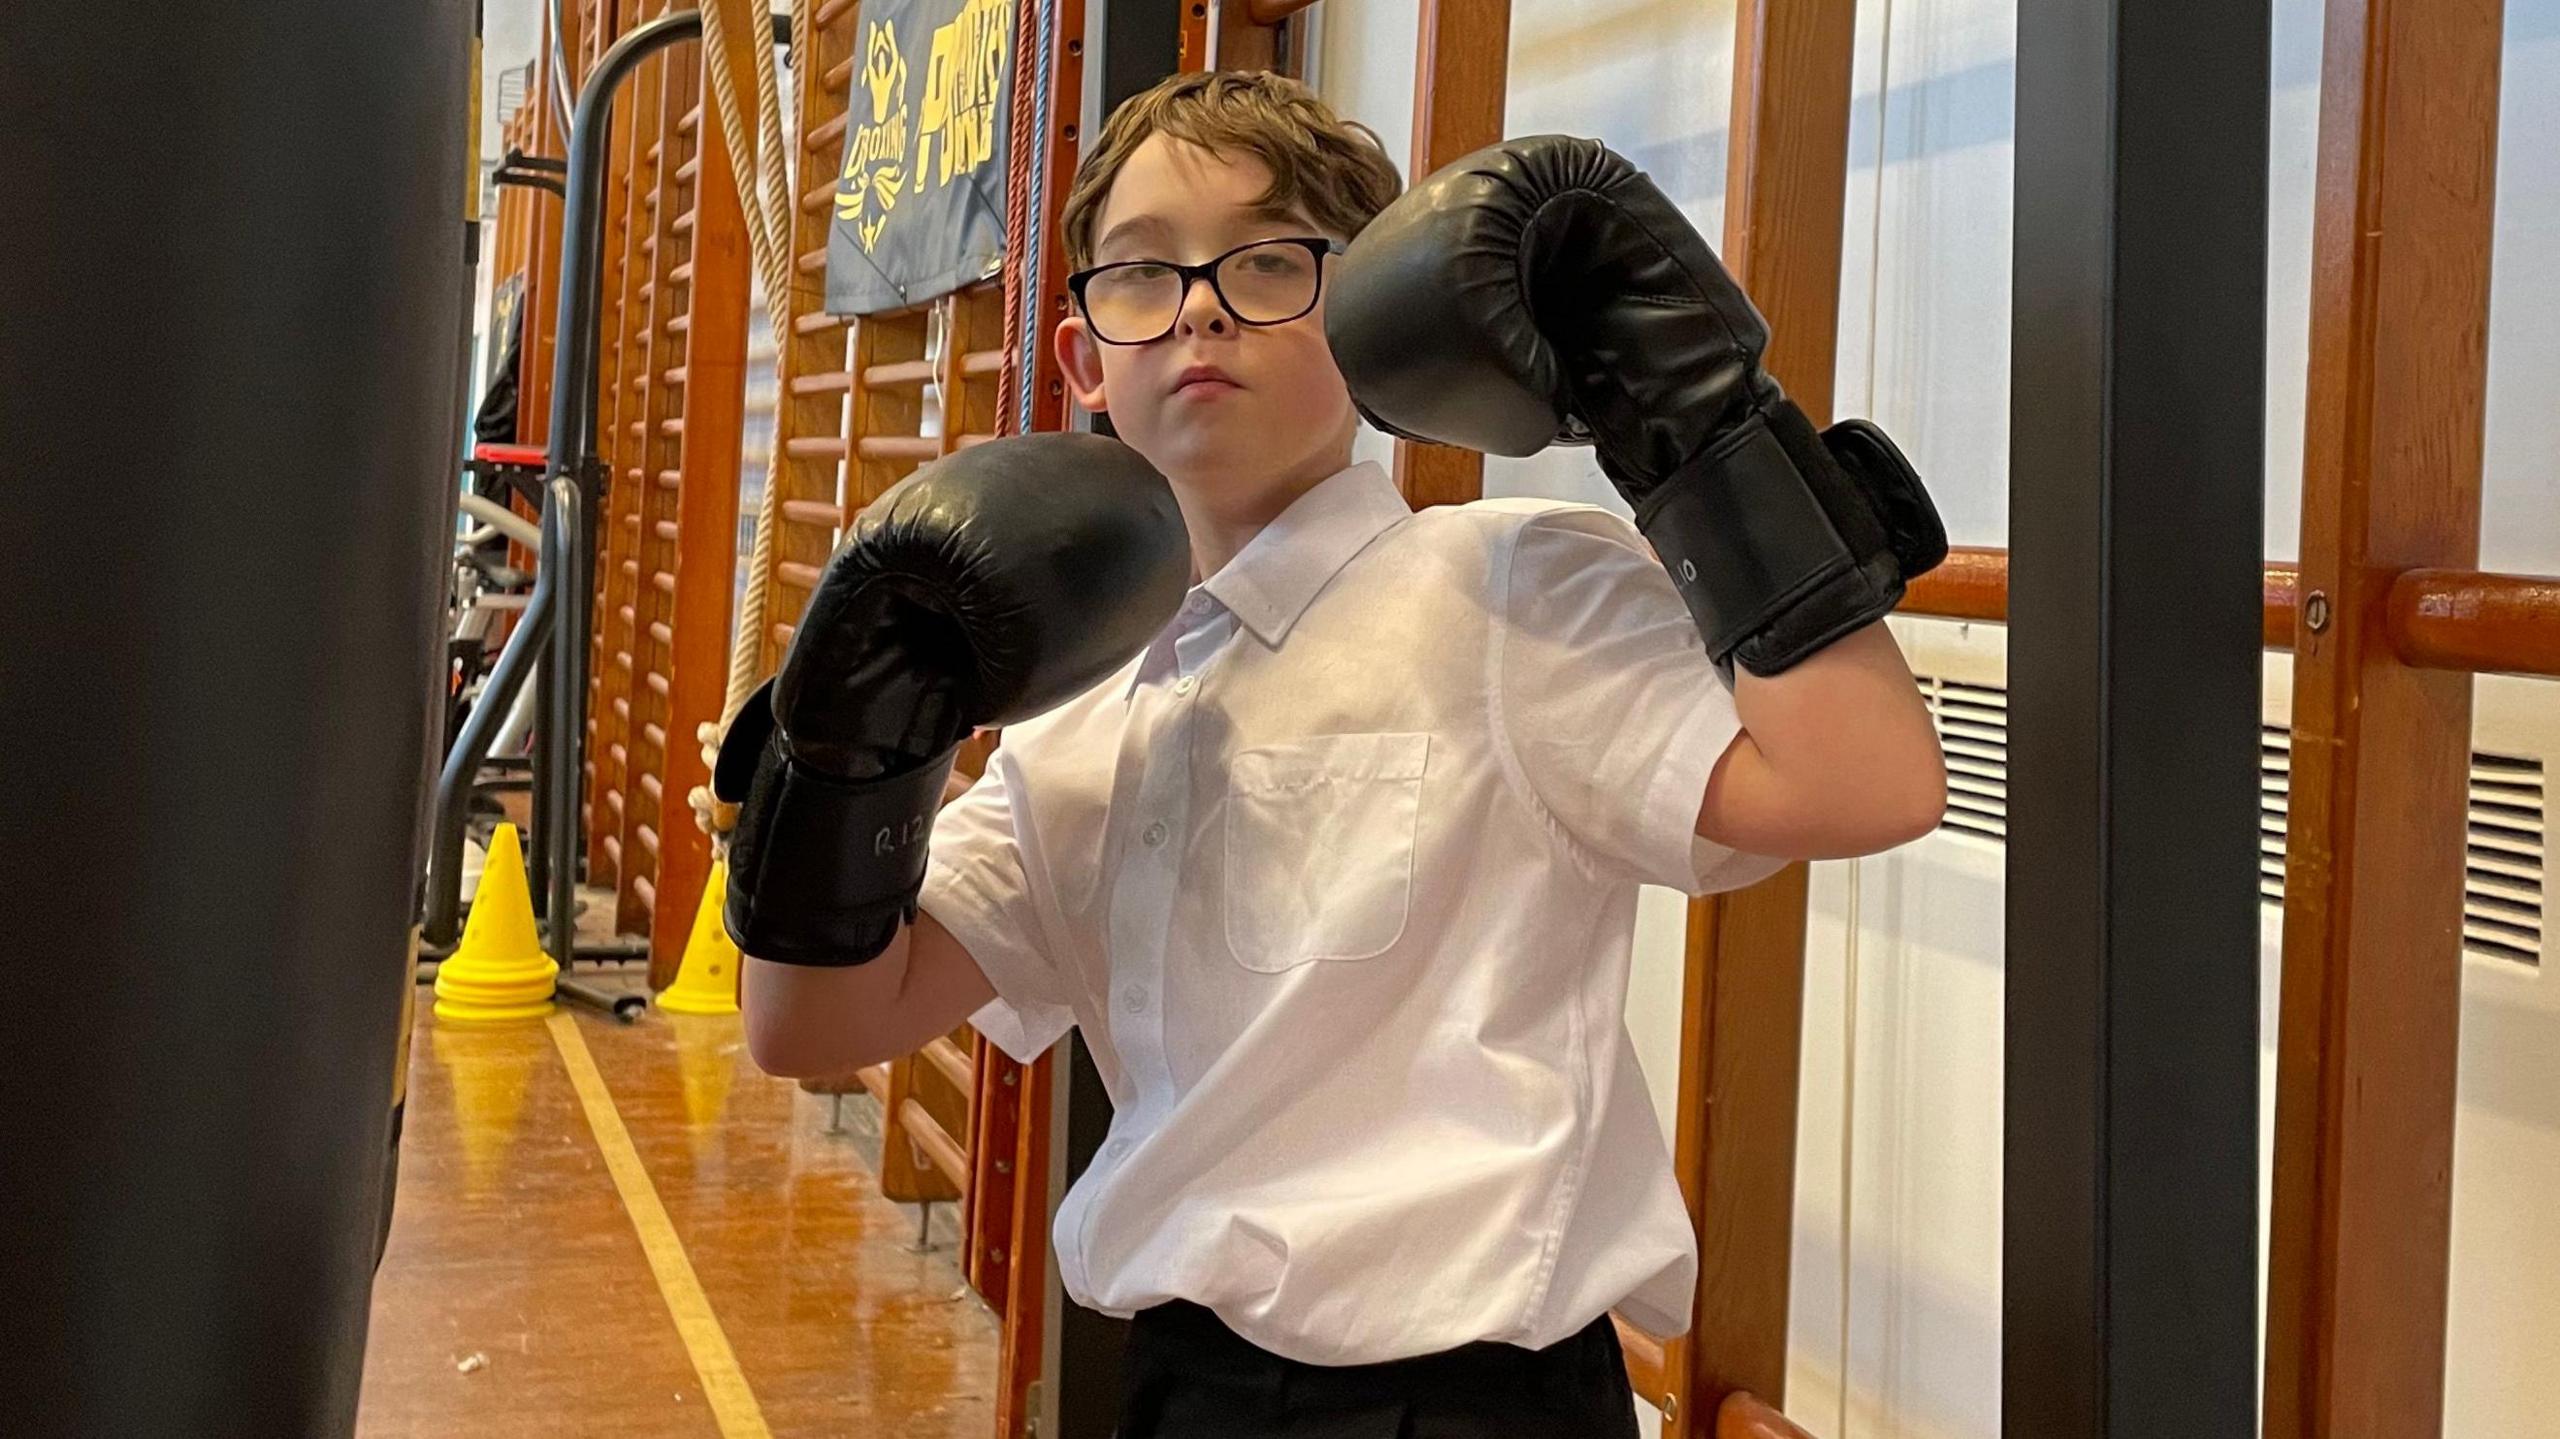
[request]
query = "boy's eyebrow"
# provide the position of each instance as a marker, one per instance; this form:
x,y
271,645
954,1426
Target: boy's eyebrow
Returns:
x,y
1134,225
1142,226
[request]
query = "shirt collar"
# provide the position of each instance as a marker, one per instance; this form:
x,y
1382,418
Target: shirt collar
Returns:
x,y
1279,572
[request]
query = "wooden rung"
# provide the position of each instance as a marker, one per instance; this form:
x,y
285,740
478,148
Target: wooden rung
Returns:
x,y
664,529
827,139
813,263
833,382
817,320
831,12
982,362
654,148
648,838
897,447
625,612
674,376
690,121
814,447
900,372
927,1134
622,661
655,681
649,246
692,167
664,583
622,709
782,633
637,429
954,1065
631,567
655,735
813,201
650,786
792,572
648,289
639,383
613,847
645,892
812,512
966,442
669,479
875,1078
659,631
684,223
631,522
681,274
650,199
620,756
838,76
673,425
679,324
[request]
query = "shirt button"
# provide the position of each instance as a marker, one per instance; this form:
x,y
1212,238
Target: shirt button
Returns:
x,y
1134,999
1186,684
1155,834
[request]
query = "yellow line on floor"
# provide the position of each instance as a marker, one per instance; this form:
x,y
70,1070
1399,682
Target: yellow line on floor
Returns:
x,y
733,1404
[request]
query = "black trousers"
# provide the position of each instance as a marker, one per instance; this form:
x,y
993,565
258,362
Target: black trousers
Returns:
x,y
1188,1376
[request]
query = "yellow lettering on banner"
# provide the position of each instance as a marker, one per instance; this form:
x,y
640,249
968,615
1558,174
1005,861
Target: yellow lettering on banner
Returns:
x,y
962,78
871,168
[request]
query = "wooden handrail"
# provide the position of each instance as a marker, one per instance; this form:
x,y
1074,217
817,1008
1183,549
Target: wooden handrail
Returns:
x,y
2485,623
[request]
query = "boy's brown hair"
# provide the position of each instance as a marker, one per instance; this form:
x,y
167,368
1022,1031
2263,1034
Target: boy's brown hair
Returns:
x,y
1332,170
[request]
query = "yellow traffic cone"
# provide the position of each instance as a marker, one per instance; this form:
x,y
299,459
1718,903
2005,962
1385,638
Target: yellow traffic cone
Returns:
x,y
500,971
707,979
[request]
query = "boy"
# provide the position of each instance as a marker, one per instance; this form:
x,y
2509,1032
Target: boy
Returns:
x,y
1339,874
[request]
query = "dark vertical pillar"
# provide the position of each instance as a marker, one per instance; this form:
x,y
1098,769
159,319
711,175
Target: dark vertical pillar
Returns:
x,y
233,291
2136,517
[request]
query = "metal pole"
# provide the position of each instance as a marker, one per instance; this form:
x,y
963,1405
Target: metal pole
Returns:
x,y
574,490
2137,481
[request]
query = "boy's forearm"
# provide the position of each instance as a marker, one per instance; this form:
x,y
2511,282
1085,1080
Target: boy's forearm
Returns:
x,y
1837,757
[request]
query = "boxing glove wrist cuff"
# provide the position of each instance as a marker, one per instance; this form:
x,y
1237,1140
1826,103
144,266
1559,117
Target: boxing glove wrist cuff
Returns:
x,y
823,870
1778,548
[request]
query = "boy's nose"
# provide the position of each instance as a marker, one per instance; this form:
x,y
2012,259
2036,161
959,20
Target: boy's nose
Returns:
x,y
1201,309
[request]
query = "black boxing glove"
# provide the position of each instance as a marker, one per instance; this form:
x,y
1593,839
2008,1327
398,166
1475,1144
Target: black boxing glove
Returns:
x,y
988,586
1542,291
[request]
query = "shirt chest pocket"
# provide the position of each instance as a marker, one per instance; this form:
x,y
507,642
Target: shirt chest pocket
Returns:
x,y
1319,847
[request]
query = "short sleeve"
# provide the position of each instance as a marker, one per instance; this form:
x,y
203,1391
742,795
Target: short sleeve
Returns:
x,y
978,887
1610,713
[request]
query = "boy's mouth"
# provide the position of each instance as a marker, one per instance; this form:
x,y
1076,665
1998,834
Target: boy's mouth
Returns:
x,y
1203,380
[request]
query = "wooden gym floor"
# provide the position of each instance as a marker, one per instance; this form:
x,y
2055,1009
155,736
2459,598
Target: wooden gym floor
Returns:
x,y
631,1231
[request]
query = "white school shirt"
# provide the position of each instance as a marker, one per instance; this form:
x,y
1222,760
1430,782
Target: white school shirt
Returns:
x,y
1339,879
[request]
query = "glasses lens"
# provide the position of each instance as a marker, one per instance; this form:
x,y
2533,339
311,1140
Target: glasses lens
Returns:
x,y
1131,304
1269,283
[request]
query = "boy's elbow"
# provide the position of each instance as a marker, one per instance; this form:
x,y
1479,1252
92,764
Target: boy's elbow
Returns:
x,y
1921,812
1911,809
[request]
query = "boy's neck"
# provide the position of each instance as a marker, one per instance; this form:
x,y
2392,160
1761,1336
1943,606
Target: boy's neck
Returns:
x,y
1224,516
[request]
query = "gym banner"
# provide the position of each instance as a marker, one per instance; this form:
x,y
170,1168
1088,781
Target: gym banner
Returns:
x,y
919,205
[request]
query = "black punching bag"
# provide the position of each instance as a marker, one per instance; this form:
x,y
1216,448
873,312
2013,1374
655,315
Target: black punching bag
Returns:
x,y
232,287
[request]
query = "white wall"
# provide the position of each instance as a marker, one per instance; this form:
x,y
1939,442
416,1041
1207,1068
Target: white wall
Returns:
x,y
1896,1309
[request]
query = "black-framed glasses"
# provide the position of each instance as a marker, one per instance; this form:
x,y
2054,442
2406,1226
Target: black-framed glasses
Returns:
x,y
1267,282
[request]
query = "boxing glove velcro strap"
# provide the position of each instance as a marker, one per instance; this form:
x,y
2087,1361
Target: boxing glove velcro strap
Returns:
x,y
1777,548
823,870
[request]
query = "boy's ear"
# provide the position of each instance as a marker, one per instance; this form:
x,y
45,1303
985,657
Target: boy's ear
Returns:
x,y
1080,361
